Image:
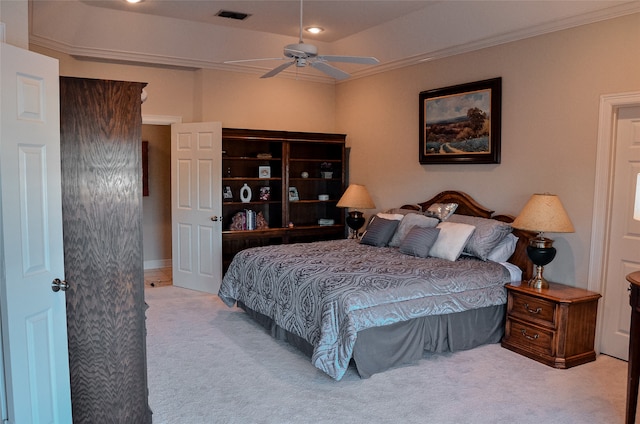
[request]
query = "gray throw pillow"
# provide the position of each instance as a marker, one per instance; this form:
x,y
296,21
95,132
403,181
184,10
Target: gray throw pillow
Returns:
x,y
379,232
488,233
419,241
408,222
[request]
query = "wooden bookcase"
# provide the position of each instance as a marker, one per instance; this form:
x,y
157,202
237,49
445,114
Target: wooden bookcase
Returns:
x,y
280,161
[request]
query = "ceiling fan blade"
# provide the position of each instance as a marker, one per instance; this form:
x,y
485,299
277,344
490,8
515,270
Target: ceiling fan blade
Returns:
x,y
351,59
253,60
277,70
329,70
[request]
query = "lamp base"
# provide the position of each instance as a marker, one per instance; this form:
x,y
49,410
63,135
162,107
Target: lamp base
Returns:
x,y
538,281
541,252
355,221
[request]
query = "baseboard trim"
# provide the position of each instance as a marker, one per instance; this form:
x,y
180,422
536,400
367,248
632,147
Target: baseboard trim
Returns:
x,y
157,263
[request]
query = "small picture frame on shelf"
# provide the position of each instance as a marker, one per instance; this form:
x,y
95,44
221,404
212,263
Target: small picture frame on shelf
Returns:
x,y
227,194
293,194
264,172
265,193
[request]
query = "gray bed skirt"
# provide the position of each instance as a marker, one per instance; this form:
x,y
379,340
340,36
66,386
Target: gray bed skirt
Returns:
x,y
380,348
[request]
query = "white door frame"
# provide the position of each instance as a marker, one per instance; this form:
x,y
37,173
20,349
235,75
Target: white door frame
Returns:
x,y
601,221
161,119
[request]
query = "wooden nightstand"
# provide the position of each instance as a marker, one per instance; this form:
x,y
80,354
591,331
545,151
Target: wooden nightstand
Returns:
x,y
555,326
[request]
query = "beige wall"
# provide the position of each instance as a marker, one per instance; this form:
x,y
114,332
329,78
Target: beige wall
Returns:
x,y
170,91
246,101
236,100
551,90
14,14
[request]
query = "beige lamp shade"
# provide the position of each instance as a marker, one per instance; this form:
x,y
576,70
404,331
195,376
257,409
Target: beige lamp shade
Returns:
x,y
356,196
544,213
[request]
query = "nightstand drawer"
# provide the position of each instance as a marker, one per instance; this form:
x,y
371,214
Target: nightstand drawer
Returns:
x,y
533,309
530,337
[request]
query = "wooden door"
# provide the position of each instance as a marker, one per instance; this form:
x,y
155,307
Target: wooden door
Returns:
x,y
196,205
624,242
34,332
101,127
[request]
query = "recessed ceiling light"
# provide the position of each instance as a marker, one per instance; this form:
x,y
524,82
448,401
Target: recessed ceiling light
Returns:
x,y
314,29
135,1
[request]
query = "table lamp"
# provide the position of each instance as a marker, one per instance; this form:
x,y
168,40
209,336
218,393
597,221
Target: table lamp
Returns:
x,y
542,213
356,196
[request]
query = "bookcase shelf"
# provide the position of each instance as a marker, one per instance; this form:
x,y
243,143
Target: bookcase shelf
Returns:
x,y
296,166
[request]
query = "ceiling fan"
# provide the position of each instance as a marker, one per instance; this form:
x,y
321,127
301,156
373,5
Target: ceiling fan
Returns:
x,y
302,54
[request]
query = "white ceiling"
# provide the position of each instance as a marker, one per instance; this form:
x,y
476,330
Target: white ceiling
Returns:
x,y
339,18
186,33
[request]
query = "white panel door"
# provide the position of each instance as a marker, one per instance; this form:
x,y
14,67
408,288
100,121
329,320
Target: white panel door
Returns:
x,y
624,240
196,205
34,321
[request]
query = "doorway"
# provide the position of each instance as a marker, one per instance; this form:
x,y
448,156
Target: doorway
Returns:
x,y
156,206
612,226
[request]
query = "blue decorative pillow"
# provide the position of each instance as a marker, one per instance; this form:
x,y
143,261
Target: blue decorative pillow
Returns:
x,y
379,232
419,241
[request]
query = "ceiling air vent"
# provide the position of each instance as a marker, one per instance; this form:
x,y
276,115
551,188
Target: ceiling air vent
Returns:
x,y
233,15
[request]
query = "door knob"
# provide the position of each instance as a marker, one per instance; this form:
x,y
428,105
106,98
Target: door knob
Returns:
x,y
216,218
57,285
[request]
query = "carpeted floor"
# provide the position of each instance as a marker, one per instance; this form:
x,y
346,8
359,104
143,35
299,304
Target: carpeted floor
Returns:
x,y
211,364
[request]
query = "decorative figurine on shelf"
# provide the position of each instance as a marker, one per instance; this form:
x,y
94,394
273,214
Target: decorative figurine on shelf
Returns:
x,y
304,174
261,223
326,170
265,193
238,222
245,193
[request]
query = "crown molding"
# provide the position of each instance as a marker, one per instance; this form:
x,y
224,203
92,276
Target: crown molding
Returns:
x,y
148,59
508,37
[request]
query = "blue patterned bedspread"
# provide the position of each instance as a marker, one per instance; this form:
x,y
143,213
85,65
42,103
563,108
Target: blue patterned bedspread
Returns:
x,y
325,292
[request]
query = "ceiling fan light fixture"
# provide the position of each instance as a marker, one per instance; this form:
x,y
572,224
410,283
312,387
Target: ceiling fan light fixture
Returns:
x,y
302,54
314,29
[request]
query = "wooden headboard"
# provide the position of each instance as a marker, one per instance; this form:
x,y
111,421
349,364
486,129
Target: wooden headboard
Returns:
x,y
468,206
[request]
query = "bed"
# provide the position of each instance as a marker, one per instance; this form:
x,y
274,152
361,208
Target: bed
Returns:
x,y
382,304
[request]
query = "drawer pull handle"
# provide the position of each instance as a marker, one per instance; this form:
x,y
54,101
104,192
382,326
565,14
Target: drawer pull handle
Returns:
x,y
532,311
524,333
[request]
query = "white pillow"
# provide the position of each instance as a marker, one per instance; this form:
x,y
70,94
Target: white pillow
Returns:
x,y
451,240
503,251
391,216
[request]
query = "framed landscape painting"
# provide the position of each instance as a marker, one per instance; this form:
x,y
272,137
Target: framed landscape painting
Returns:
x,y
461,123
